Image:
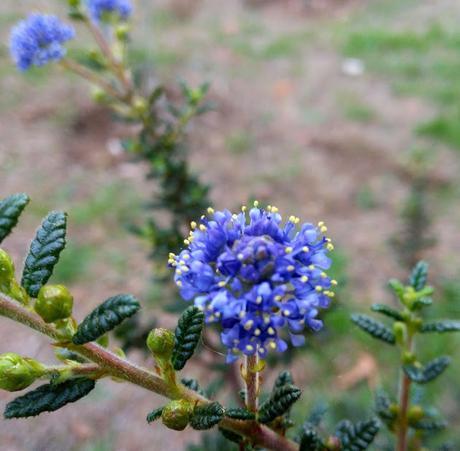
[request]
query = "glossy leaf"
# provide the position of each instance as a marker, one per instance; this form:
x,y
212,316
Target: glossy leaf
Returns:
x,y
48,398
44,252
419,276
239,413
374,328
284,378
279,403
427,373
187,336
440,326
387,311
206,416
105,317
10,209
357,437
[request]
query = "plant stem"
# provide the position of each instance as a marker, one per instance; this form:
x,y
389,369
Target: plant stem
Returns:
x,y
252,381
115,366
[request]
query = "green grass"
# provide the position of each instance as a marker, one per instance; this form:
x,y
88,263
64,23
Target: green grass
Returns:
x,y
423,63
355,109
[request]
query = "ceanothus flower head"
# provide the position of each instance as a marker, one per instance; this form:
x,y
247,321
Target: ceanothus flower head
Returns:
x,y
262,280
38,40
100,8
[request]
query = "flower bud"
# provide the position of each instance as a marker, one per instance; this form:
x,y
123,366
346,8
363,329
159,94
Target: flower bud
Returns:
x,y
6,267
17,373
416,413
176,414
161,342
54,303
140,106
122,32
399,329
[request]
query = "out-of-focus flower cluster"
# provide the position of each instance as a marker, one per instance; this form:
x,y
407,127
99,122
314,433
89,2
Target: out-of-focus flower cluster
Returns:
x,y
256,276
38,40
99,9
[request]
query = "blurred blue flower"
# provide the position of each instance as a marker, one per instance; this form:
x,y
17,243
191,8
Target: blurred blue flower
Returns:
x,y
38,40
99,8
256,277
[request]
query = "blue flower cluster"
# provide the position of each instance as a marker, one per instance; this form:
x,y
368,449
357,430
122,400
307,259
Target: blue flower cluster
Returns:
x,y
256,277
38,40
99,8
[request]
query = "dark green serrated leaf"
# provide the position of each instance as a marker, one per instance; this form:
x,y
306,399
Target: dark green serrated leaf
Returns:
x,y
105,317
48,398
374,328
154,415
309,439
207,416
417,279
192,384
284,378
44,252
357,437
387,311
279,403
427,373
422,302
187,336
239,413
10,209
440,326
429,425
382,407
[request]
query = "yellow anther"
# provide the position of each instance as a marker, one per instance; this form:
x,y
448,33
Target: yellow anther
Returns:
x,y
179,283
242,314
320,223
240,257
271,331
272,345
319,288
311,266
256,203
323,229
249,324
306,249
186,256
304,279
278,297
286,312
234,216
333,282
243,208
330,247
202,227
250,348
262,350
178,272
292,219
275,209
257,332
323,275
288,250
259,300
187,242
291,268
221,283
267,319
172,255
210,210
193,225
269,208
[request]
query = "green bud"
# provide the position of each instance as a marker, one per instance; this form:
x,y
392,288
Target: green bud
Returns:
x,y
415,413
161,342
6,267
99,95
17,372
140,106
399,329
408,357
54,303
176,414
409,297
122,32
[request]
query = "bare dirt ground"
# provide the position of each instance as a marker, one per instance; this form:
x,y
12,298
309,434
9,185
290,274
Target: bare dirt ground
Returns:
x,y
278,133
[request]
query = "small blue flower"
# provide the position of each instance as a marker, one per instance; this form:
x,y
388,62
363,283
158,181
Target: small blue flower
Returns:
x,y
38,40
98,9
260,279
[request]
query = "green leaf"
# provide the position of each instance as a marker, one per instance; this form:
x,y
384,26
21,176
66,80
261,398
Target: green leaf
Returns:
x,y
418,277
427,373
441,326
239,413
317,413
10,209
187,333
105,317
154,415
48,398
387,311
44,252
374,328
382,407
279,403
284,378
206,416
429,425
230,435
309,439
357,437
192,384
